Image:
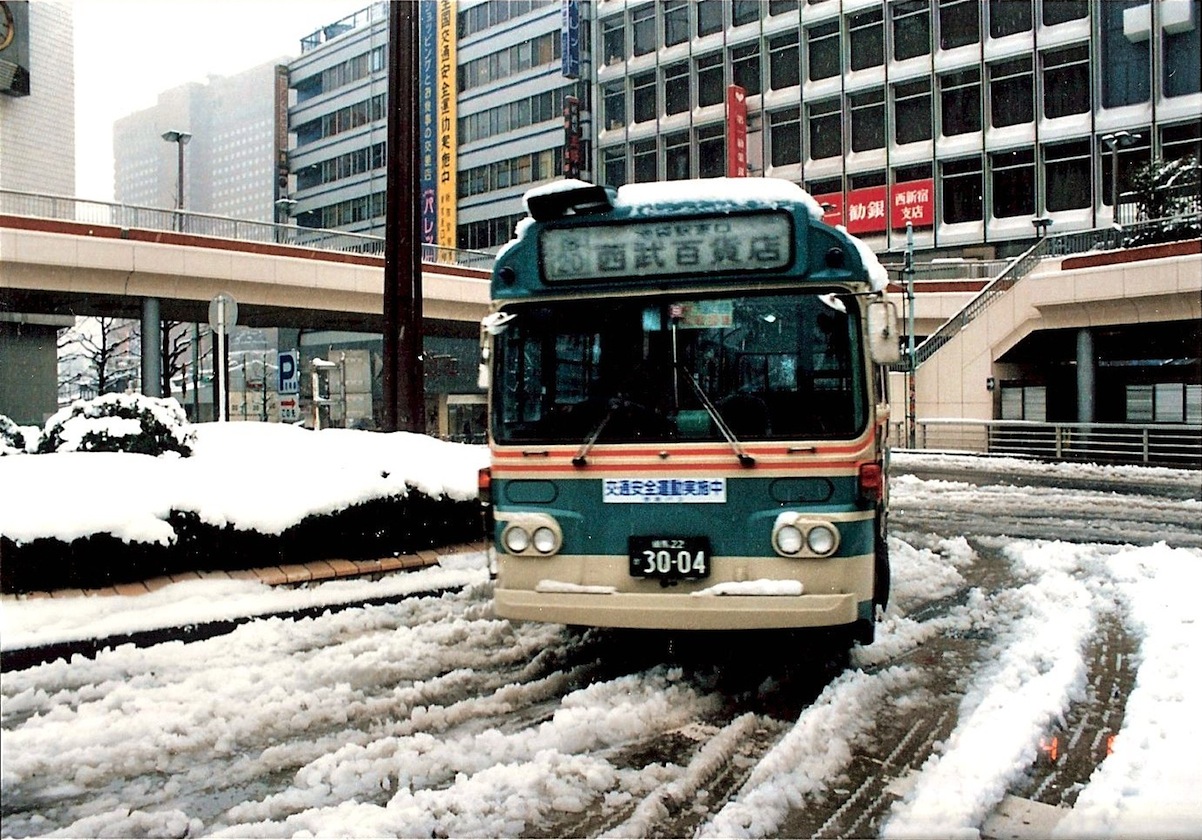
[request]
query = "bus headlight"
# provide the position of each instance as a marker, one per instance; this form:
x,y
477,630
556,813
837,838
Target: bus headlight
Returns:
x,y
789,539
795,536
531,535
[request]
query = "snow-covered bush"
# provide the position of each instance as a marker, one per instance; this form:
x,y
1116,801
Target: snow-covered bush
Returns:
x,y
12,437
120,423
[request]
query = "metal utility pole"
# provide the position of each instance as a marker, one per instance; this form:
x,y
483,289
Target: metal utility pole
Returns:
x,y
404,386
910,385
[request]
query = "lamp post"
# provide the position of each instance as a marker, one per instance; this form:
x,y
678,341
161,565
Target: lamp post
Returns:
x,y
180,138
283,212
1114,140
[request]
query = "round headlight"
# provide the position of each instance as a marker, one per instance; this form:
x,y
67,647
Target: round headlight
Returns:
x,y
821,539
517,540
544,540
789,539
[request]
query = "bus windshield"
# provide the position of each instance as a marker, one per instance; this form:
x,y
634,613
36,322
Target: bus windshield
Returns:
x,y
768,366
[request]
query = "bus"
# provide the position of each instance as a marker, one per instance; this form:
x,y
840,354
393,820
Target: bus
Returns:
x,y
687,412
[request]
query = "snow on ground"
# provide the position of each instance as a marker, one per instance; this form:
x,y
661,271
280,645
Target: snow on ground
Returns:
x,y
430,717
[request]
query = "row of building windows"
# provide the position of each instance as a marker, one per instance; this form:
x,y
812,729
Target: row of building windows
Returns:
x,y
487,233
513,115
342,74
545,49
343,166
344,119
352,211
1066,170
512,172
495,12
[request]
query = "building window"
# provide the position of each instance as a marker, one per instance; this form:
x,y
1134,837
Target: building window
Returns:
x,y
1068,176
1062,11
642,30
745,67
615,105
961,102
613,166
823,47
613,40
744,11
710,16
962,190
868,120
1181,141
644,97
1013,183
711,86
676,22
825,129
1132,157
1066,81
959,23
711,151
780,7
911,29
784,61
1011,93
643,153
785,137
912,111
867,36
676,88
1009,17
1181,62
676,156
1125,66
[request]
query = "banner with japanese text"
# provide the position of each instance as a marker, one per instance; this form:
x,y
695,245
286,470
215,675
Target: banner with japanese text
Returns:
x,y
448,141
428,72
736,132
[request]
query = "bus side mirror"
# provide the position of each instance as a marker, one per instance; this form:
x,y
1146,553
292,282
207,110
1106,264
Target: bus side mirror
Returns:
x,y
883,344
484,377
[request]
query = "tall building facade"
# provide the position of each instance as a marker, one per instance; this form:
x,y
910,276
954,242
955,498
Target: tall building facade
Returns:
x,y
970,119
232,159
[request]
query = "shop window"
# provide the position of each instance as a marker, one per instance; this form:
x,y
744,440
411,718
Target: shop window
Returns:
x,y
1125,65
868,121
962,190
1011,93
823,47
642,30
676,22
1062,11
1025,402
1165,402
912,111
1066,81
745,68
711,151
1067,167
911,29
959,23
784,61
867,35
676,88
644,155
711,85
961,102
785,137
825,129
1009,17
1013,183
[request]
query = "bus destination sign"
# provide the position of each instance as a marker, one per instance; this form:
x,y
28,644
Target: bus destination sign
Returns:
x,y
757,242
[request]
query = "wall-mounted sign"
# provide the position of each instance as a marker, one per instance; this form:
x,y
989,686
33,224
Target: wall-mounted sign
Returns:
x,y
570,39
427,80
572,154
873,209
736,132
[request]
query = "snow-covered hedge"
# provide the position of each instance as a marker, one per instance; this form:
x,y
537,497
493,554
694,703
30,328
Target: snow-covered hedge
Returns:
x,y
14,439
120,423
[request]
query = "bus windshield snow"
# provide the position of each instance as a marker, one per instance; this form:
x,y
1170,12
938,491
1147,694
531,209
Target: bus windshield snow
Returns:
x,y
744,368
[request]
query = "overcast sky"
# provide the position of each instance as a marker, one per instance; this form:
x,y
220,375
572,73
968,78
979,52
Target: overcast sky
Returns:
x,y
129,51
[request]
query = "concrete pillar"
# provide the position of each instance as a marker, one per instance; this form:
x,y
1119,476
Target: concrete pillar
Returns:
x,y
152,348
1087,368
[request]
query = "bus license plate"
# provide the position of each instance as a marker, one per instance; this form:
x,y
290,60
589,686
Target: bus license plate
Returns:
x,y
679,558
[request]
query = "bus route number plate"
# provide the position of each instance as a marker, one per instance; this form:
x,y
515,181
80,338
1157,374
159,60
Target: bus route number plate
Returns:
x,y
670,558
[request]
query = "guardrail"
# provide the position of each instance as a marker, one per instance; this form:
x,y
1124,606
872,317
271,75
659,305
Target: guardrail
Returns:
x,y
1159,444
67,208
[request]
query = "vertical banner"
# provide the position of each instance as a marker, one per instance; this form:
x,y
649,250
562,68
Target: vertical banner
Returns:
x,y
736,132
569,38
428,67
571,137
447,126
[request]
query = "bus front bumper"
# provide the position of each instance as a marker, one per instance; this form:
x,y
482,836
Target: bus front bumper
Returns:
x,y
672,612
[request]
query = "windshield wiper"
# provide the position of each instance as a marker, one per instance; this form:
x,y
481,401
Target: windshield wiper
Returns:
x,y
581,457
744,459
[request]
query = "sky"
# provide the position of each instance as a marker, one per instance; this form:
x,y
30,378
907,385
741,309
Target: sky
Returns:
x,y
129,51
398,720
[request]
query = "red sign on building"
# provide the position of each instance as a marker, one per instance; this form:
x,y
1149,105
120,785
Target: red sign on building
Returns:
x,y
832,207
736,132
572,152
914,202
873,209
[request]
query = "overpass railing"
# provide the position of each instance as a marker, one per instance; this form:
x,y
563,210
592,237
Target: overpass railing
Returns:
x,y
67,208
1157,444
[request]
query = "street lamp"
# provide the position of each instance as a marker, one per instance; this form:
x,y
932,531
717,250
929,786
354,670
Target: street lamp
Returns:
x,y
1113,141
180,138
283,212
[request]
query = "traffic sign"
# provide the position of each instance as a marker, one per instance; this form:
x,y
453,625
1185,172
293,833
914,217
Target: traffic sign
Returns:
x,y
289,366
223,313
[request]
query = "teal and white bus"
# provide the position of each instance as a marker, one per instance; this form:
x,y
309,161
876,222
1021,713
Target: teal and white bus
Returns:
x,y
687,411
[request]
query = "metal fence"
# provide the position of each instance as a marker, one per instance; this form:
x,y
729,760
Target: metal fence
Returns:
x,y
66,208
1159,444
